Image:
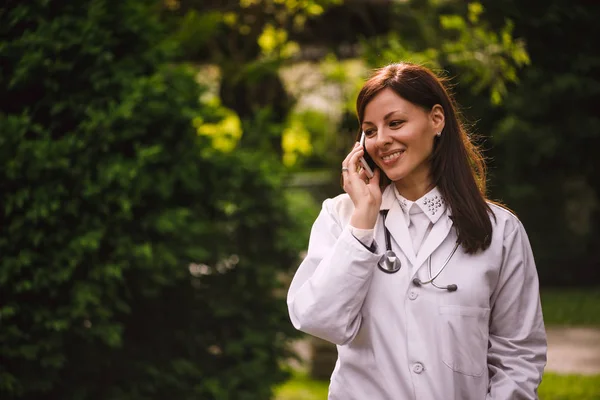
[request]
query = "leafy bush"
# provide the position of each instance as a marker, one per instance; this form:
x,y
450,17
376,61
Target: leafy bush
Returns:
x,y
544,162
136,262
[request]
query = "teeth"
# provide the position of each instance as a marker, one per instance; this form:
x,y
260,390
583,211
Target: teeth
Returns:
x,y
393,155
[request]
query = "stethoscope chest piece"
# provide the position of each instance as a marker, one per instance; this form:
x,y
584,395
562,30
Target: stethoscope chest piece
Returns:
x,y
390,262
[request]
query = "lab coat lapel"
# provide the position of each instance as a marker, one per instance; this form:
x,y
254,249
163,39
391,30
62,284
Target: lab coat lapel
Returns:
x,y
439,232
396,224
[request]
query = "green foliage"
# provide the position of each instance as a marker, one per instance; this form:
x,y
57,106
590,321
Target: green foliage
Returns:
x,y
196,29
452,34
137,261
488,59
225,132
249,41
235,32
305,210
544,138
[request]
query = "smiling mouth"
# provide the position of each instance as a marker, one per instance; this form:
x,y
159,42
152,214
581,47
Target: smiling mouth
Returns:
x,y
393,156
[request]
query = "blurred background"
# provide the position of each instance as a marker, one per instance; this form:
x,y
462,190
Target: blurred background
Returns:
x,y
162,162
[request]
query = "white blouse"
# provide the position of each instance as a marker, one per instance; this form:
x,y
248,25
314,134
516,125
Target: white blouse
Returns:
x,y
419,218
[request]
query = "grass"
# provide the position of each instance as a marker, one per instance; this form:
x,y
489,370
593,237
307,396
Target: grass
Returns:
x,y
569,387
553,387
301,387
572,307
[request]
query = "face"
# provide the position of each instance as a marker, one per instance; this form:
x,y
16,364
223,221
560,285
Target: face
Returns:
x,y
400,136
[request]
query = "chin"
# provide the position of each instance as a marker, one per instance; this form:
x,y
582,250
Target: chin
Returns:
x,y
394,176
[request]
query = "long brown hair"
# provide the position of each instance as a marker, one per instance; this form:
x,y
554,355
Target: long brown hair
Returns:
x,y
457,166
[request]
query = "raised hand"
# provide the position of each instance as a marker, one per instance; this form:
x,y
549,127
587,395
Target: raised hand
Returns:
x,y
364,192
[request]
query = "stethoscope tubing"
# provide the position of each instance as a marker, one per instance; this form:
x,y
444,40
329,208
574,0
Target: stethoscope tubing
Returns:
x,y
393,263
441,269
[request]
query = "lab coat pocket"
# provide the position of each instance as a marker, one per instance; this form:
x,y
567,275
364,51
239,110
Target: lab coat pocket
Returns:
x,y
465,338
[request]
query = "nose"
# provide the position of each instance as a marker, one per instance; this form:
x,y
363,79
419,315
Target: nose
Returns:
x,y
383,138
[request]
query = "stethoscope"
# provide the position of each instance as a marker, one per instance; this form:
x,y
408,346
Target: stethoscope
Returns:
x,y
391,263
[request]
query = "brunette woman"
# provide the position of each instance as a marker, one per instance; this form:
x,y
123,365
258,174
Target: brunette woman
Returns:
x,y
428,289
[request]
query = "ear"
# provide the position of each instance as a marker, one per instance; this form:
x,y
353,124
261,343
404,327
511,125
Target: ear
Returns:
x,y
437,118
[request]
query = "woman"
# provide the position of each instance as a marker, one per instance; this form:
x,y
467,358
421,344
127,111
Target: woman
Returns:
x,y
474,332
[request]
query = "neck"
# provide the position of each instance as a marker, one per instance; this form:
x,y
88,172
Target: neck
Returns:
x,y
413,190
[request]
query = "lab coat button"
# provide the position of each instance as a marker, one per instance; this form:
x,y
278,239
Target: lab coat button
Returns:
x,y
418,368
413,295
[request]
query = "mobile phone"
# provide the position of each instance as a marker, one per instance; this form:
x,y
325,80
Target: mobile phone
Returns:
x,y
367,162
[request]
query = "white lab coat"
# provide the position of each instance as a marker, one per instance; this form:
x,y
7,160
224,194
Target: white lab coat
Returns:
x,y
398,341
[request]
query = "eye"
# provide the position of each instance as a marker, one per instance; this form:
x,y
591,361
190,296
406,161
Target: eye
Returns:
x,y
370,132
396,123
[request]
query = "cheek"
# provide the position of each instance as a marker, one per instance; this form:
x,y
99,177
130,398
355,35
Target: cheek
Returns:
x,y
424,142
370,146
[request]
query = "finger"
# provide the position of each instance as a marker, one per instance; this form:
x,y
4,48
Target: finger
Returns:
x,y
374,181
354,149
354,162
362,174
346,162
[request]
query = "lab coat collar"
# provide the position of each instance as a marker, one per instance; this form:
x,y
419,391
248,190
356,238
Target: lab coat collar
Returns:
x,y
396,223
388,198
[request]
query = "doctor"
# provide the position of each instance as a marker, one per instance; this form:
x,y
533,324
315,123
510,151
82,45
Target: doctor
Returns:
x,y
453,310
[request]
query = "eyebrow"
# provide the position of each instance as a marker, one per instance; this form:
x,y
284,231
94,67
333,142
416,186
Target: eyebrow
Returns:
x,y
385,118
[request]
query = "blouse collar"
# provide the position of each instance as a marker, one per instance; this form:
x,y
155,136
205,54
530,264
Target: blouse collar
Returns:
x,y
431,204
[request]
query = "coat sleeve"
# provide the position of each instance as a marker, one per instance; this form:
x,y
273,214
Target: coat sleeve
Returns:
x,y
517,344
329,287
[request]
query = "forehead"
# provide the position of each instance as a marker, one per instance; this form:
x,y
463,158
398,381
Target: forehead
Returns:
x,y
388,101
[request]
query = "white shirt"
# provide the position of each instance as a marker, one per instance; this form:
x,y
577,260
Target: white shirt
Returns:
x,y
420,215
397,340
